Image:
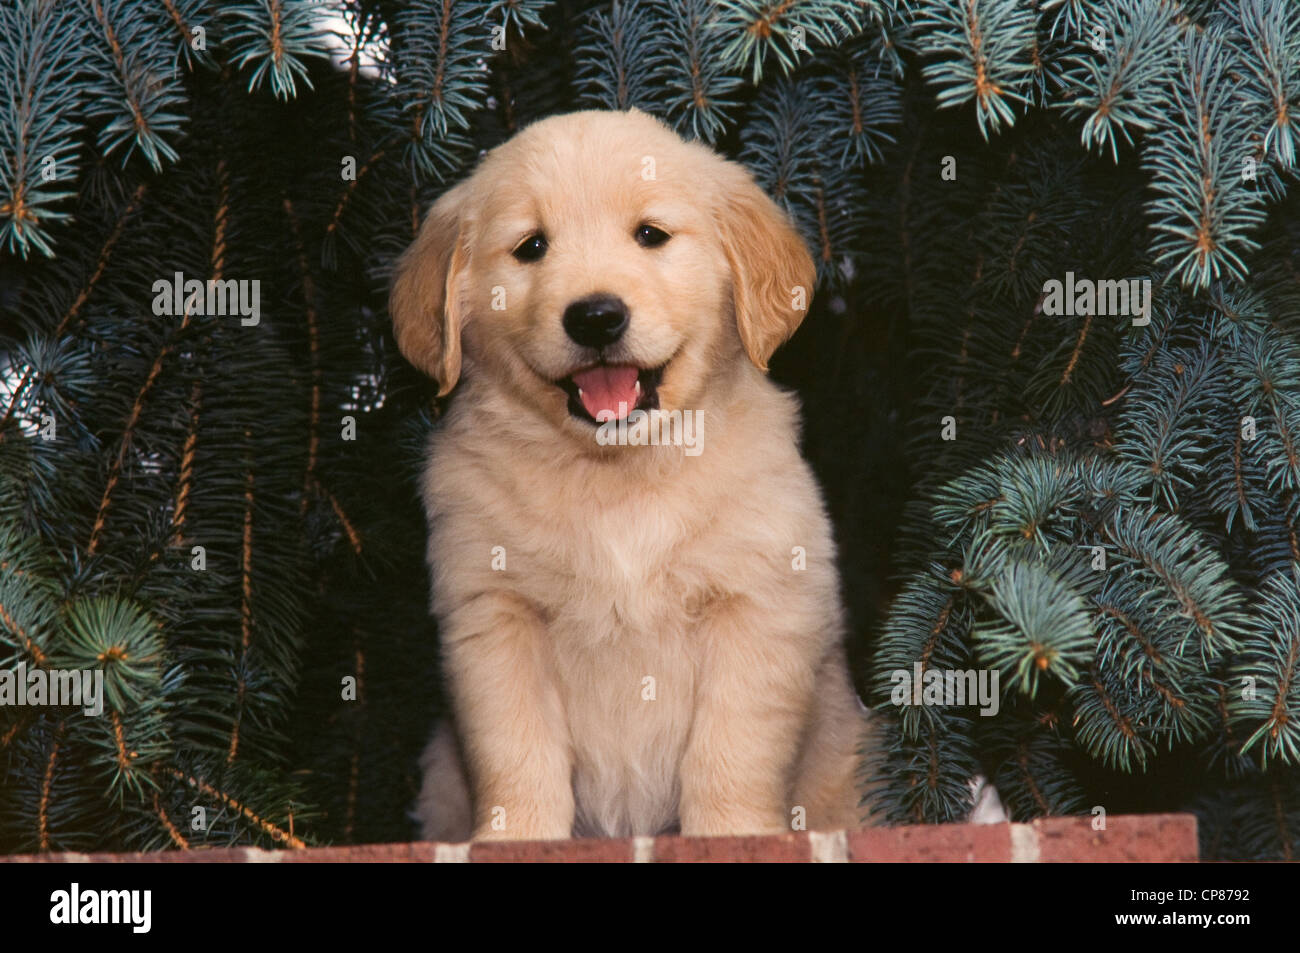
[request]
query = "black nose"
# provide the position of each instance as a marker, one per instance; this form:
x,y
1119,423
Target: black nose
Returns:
x,y
596,320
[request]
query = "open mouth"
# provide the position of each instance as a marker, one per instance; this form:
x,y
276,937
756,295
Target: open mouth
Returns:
x,y
604,392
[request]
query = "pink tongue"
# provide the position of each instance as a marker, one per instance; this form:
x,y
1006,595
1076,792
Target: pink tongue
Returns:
x,y
604,388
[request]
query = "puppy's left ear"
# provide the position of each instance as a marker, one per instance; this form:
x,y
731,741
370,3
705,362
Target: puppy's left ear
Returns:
x,y
772,273
425,298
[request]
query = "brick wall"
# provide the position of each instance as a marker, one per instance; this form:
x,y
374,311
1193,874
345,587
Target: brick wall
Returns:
x,y
1148,838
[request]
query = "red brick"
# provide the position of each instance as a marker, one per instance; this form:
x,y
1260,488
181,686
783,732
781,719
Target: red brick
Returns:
x,y
1141,838
793,848
932,843
582,851
416,853
219,855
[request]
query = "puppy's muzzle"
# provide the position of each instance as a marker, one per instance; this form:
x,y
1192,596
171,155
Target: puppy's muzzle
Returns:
x,y
596,321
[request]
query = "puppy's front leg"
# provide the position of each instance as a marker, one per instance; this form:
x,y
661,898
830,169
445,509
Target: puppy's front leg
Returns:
x,y
511,720
754,695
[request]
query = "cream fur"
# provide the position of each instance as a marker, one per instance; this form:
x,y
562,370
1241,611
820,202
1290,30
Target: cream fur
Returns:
x,y
623,563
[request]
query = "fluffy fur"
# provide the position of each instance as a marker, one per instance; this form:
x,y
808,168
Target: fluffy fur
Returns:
x,y
623,563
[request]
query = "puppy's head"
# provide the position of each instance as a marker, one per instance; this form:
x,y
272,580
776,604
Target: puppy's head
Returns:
x,y
596,264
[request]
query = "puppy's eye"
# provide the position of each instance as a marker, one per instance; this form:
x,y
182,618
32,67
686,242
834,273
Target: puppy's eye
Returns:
x,y
647,236
531,248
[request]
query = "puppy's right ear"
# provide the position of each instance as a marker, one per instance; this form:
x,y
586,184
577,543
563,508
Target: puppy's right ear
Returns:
x,y
425,300
772,274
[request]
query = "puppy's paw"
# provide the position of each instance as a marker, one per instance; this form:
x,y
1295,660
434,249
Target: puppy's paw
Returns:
x,y
487,834
987,807
443,809
733,823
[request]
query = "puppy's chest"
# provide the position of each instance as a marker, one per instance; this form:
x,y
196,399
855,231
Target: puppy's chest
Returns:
x,y
622,626
603,575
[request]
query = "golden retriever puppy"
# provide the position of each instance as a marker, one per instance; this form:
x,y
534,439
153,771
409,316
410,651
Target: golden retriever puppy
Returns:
x,y
640,635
